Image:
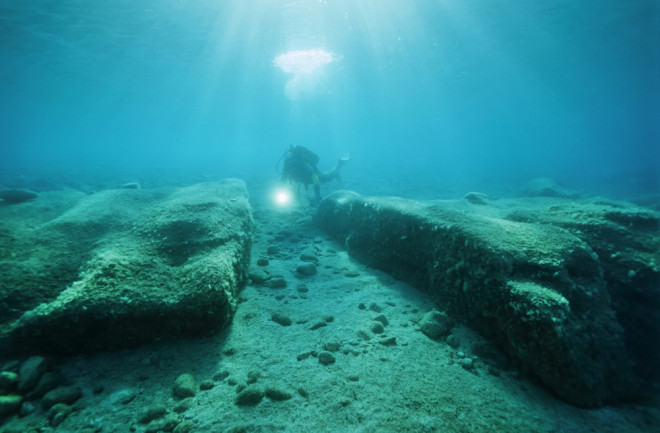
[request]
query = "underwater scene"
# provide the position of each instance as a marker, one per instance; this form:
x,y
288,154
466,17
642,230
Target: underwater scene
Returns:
x,y
238,216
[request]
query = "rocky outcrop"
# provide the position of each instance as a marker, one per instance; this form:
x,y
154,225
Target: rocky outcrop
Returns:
x,y
142,265
535,286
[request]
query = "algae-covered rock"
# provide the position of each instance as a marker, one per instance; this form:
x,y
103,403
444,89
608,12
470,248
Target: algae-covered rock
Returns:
x,y
536,287
154,264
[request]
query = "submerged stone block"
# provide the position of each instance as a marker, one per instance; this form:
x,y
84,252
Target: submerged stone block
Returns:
x,y
159,264
536,289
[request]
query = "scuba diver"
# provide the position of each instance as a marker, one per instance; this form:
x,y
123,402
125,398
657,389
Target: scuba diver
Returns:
x,y
300,167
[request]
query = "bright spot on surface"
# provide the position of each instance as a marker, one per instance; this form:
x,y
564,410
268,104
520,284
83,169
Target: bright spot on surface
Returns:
x,y
306,67
282,197
303,61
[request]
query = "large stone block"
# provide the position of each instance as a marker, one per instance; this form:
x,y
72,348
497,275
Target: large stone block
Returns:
x,y
533,287
144,265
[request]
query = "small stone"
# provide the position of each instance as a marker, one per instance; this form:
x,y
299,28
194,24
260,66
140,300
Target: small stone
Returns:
x,y
376,327
166,424
63,394
253,376
363,334
281,319
262,262
435,324
206,384
151,413
221,375
466,363
184,386
353,377
382,319
26,409
306,268
318,325
328,318
98,389
273,249
309,255
351,274
9,404
250,396
184,427
332,346
389,341
8,381
302,288
375,307
303,356
58,413
277,394
362,306
303,393
452,340
30,372
183,405
259,276
48,382
276,282
326,358
123,396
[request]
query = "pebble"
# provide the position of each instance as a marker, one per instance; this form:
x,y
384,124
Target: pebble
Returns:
x,y
9,404
262,262
250,396
466,363
375,307
183,405
326,358
8,381
184,386
309,255
277,282
362,306
452,340
351,274
151,413
382,319
259,276
328,318
332,346
253,376
27,408
376,327
363,334
435,324
206,384
184,427
123,396
58,413
281,319
48,381
30,372
318,325
63,394
306,268
221,375
353,378
162,425
277,394
389,341
273,249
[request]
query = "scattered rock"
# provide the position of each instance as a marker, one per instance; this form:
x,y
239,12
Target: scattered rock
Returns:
x,y
476,198
303,393
351,274
306,268
382,319
64,394
389,341
14,196
258,276
277,394
276,282
9,404
221,375
375,307
8,381
151,413
452,341
466,363
184,386
183,427
250,396
48,381
262,262
303,356
435,324
183,405
363,334
328,318
206,384
353,378
30,372
273,249
253,376
309,255
58,413
26,409
326,358
166,424
362,306
376,327
318,325
332,346
281,319
123,396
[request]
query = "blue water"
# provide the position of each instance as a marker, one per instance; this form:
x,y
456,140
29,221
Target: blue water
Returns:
x,y
470,93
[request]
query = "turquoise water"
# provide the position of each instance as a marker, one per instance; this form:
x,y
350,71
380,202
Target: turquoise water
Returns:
x,y
481,91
